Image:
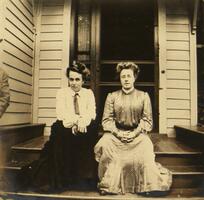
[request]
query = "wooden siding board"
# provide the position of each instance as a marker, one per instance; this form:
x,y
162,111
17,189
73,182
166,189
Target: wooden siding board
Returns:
x,y
180,65
52,20
15,118
177,19
53,2
20,87
178,114
48,121
16,63
19,108
17,53
178,104
47,64
178,28
47,103
19,75
178,94
53,55
178,55
27,4
178,74
50,74
180,84
49,83
52,10
20,97
51,45
51,36
48,92
177,45
51,28
44,112
176,36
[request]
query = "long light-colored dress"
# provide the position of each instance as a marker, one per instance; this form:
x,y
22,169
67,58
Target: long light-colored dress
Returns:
x,y
129,167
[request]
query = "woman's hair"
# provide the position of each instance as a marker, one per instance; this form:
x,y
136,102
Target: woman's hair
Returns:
x,y
79,68
128,65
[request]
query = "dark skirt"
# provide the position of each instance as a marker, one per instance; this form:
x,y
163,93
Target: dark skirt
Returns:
x,y
65,159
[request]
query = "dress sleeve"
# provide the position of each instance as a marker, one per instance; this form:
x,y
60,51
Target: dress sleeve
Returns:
x,y
91,109
146,122
62,111
108,121
4,93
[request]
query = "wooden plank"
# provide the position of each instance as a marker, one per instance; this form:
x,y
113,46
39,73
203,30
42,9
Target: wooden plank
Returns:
x,y
176,114
19,43
19,75
28,5
172,122
17,118
51,45
48,121
47,64
177,19
178,64
43,112
49,83
52,55
20,34
17,53
19,86
47,103
48,92
52,10
178,55
51,28
171,132
15,62
20,97
50,74
178,94
177,45
19,107
180,28
51,36
178,104
175,36
52,20
23,27
12,7
181,84
178,74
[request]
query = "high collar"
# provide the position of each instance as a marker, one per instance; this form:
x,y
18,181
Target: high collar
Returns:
x,y
128,91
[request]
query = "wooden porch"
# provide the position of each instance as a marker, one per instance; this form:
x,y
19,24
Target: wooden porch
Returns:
x,y
185,162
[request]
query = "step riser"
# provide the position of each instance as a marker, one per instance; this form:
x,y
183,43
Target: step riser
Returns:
x,y
25,155
179,160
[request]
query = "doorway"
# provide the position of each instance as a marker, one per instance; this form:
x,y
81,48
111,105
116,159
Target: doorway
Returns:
x,y
107,32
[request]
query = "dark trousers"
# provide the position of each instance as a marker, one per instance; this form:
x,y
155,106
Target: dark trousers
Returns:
x,y
65,158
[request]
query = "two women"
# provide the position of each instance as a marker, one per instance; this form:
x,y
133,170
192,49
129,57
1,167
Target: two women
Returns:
x,y
126,160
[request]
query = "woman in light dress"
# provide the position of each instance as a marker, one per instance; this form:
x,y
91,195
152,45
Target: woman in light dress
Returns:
x,y
125,152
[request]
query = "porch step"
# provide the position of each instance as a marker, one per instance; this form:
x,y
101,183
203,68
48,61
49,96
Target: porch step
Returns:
x,y
191,135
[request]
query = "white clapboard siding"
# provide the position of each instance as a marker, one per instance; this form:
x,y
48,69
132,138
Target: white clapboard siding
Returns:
x,y
17,59
177,65
50,57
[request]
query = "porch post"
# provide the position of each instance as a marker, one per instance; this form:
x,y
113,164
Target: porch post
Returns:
x,y
162,66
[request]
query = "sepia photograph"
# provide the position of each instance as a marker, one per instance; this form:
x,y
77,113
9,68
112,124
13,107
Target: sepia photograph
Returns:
x,y
101,99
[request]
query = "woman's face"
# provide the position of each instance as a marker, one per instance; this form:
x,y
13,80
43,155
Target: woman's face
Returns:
x,y
127,79
75,81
